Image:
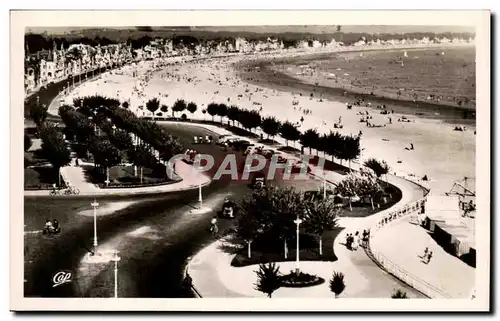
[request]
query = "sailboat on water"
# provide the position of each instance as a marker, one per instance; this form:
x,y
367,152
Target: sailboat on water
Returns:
x,y
405,54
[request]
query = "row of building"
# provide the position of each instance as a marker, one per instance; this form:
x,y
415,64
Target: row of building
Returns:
x,y
49,66
56,64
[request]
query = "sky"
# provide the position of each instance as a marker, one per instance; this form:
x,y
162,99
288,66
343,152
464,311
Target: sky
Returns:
x,y
282,29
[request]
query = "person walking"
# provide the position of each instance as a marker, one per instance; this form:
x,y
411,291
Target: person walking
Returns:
x,y
213,225
355,243
429,257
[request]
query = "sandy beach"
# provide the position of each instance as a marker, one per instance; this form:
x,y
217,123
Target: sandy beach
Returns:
x,y
442,154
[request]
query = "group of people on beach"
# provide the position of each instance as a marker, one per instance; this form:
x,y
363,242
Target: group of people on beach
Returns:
x,y
353,242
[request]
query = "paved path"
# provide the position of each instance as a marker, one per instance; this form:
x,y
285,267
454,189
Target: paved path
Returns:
x,y
213,276
404,242
75,176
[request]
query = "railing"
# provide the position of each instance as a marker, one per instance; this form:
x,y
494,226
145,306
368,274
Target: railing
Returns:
x,y
393,268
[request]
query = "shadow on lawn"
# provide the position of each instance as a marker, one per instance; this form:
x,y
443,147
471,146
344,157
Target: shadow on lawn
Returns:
x,y
265,251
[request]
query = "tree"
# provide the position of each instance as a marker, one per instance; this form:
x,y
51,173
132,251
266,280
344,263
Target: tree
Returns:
x,y
368,186
27,142
164,109
321,215
337,284
349,149
268,278
332,144
222,111
212,110
125,104
141,157
273,209
105,155
152,105
55,149
233,113
378,167
192,107
289,132
309,138
179,106
348,188
270,126
120,139
38,113
399,294
250,119
247,228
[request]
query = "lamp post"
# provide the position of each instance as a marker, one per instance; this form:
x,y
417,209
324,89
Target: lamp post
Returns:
x,y
94,204
324,185
297,221
200,197
116,258
95,124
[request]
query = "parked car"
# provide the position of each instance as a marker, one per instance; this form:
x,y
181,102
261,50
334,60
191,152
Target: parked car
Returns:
x,y
223,138
241,144
252,149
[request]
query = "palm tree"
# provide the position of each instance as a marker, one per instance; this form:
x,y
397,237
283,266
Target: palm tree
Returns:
x,y
152,105
337,284
268,278
399,294
309,138
270,126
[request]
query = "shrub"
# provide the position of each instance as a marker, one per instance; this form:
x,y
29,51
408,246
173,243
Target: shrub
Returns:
x,y
337,284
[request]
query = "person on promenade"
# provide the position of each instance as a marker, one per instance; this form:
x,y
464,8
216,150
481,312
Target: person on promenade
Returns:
x,y
213,225
426,251
348,241
355,241
365,238
428,257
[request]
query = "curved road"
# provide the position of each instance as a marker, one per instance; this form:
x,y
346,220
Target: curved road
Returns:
x,y
155,236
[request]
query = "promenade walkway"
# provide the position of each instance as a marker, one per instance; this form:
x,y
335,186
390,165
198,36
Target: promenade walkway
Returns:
x,y
213,276
404,243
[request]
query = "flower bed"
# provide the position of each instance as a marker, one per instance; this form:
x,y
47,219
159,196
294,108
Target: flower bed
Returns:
x,y
300,280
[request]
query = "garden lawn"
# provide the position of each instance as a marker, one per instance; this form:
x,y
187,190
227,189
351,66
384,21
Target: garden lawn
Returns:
x,y
308,250
124,175
39,177
365,209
